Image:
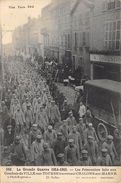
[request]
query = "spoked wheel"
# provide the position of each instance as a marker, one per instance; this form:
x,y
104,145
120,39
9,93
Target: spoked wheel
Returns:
x,y
102,131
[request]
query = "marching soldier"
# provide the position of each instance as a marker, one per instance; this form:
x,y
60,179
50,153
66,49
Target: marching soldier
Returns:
x,y
104,159
61,161
48,156
92,149
85,159
72,153
109,145
36,151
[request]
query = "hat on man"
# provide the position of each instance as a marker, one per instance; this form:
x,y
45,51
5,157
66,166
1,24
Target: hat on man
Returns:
x,y
9,126
50,127
90,137
71,140
104,150
17,137
39,136
60,155
34,125
110,137
90,124
70,112
52,101
28,104
59,134
84,151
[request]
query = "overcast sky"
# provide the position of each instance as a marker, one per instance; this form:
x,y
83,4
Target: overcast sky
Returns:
x,y
13,17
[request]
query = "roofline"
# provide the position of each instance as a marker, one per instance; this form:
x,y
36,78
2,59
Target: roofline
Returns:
x,y
90,5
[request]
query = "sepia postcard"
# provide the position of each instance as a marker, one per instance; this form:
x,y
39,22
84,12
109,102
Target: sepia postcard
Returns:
x,y
60,91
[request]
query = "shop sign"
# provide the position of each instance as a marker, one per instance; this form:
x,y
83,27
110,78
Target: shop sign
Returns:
x,y
105,58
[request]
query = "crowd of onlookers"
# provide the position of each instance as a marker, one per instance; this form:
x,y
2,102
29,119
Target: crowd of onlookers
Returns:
x,y
39,128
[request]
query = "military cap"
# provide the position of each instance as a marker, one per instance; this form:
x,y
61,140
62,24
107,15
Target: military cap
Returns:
x,y
50,127
90,137
17,137
90,124
9,126
60,155
110,137
84,151
59,134
39,136
34,125
104,150
71,140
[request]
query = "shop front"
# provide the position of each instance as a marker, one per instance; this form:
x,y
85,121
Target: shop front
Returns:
x,y
105,67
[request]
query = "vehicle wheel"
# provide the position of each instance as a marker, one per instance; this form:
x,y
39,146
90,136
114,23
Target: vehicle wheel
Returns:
x,y
102,131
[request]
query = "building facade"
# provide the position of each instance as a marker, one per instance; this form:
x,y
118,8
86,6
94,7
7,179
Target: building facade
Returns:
x,y
27,38
0,56
80,33
105,42
56,28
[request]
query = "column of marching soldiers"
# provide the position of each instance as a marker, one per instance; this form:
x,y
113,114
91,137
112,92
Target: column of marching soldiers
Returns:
x,y
35,130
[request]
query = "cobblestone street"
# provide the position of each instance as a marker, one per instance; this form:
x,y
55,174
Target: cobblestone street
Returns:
x,y
68,92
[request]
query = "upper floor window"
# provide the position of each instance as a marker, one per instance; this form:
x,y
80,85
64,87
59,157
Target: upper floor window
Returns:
x,y
75,41
111,4
112,35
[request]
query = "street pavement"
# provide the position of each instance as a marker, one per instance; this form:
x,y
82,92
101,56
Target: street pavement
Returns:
x,y
68,92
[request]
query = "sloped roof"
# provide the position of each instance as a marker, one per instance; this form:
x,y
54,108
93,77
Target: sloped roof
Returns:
x,y
88,3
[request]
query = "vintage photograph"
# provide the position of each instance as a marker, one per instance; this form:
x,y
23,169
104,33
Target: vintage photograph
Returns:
x,y
60,82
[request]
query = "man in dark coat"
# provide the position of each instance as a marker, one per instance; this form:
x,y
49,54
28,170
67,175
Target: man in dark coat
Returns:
x,y
72,155
64,110
48,156
18,155
61,160
9,136
59,145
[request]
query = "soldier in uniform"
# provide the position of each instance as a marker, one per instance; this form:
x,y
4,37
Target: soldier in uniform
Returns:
x,y
18,153
72,155
9,136
48,156
92,149
55,116
109,145
85,159
71,121
81,128
74,134
61,161
104,159
33,134
90,131
50,136
59,145
36,151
